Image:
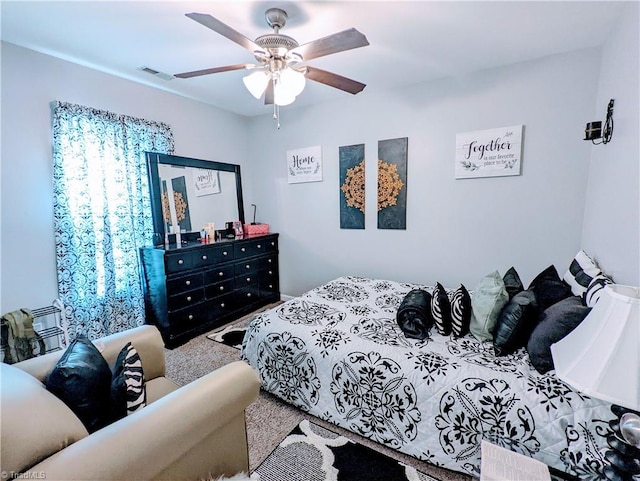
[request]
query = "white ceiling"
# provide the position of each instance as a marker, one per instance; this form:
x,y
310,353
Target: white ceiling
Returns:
x,y
410,41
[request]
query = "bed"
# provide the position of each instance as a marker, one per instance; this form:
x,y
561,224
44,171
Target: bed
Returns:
x,y
337,353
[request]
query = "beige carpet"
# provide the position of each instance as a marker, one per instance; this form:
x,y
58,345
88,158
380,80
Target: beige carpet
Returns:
x,y
269,420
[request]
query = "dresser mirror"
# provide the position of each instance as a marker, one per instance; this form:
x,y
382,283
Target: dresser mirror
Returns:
x,y
188,194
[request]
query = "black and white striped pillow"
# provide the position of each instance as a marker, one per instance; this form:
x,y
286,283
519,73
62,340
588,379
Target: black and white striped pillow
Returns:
x,y
441,310
128,392
460,311
581,272
595,289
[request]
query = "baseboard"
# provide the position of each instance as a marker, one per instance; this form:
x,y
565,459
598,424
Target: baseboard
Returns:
x,y
285,298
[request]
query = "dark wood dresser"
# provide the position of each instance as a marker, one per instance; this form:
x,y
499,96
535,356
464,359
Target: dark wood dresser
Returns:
x,y
198,287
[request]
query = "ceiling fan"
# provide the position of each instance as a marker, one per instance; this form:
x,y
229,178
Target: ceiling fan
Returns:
x,y
279,75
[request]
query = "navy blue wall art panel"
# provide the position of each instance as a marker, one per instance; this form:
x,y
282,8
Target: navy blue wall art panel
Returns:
x,y
352,186
392,183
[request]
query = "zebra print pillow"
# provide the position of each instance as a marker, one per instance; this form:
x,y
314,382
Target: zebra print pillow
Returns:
x,y
127,385
460,311
441,310
582,270
594,291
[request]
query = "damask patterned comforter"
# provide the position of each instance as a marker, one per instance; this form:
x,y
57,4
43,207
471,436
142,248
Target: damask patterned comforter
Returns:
x,y
338,353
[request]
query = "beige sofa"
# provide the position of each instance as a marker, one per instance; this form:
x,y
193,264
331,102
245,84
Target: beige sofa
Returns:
x,y
190,432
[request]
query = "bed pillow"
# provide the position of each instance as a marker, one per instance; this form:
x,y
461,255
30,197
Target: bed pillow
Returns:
x,y
556,322
549,288
512,282
441,310
460,311
127,386
594,291
581,272
82,380
489,297
515,323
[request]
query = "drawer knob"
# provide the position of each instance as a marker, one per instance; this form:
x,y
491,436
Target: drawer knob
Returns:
x,y
204,258
259,246
269,261
243,249
188,298
224,253
180,262
270,286
222,288
222,304
190,317
273,243
248,279
188,283
270,272
248,294
221,273
248,266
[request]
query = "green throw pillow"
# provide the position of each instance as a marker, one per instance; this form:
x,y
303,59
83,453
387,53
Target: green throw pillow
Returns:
x,y
488,299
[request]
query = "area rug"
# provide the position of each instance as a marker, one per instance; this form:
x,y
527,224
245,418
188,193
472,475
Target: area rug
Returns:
x,y
313,453
232,334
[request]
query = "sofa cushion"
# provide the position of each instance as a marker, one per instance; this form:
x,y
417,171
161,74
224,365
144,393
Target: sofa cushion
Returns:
x,y
127,385
441,310
35,423
489,297
549,288
82,380
460,311
515,323
556,322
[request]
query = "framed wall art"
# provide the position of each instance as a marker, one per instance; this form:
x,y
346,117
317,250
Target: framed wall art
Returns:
x,y
304,165
489,153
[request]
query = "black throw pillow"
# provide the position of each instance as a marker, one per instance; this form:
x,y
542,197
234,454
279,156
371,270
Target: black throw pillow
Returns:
x,y
82,380
414,314
441,310
556,322
512,282
515,323
549,288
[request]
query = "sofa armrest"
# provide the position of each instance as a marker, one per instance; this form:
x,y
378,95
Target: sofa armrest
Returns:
x,y
146,339
160,440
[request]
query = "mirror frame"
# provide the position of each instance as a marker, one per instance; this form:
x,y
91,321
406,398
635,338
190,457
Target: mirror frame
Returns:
x,y
154,158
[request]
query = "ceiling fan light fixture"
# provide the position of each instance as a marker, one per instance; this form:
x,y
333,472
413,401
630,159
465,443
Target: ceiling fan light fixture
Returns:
x,y
256,82
292,81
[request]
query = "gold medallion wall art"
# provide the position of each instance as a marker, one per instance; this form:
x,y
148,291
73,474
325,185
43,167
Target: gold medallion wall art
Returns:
x,y
352,190
392,183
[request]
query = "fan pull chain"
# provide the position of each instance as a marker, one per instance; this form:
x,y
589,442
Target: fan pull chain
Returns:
x,y
276,114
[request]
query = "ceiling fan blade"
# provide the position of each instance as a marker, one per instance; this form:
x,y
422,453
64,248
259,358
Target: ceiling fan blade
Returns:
x,y
268,94
338,42
225,30
207,71
334,80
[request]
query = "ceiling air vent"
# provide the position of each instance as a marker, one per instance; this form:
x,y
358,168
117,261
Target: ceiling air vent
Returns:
x,y
162,75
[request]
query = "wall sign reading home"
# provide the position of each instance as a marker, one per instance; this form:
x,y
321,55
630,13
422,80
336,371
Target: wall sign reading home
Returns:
x,y
489,153
304,165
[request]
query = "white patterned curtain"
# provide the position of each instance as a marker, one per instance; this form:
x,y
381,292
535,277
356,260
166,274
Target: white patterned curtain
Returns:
x,y
102,214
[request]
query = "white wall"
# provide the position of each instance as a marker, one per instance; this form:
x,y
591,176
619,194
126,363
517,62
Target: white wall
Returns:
x,y
30,81
457,230
612,211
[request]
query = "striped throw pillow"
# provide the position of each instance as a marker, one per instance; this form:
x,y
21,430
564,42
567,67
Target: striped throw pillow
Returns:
x,y
594,291
441,310
581,272
460,311
128,392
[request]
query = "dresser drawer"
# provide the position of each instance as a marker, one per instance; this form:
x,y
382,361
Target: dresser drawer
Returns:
x,y
247,279
219,289
269,263
178,262
184,283
247,267
184,318
185,299
269,287
255,247
248,295
212,255
219,274
221,306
